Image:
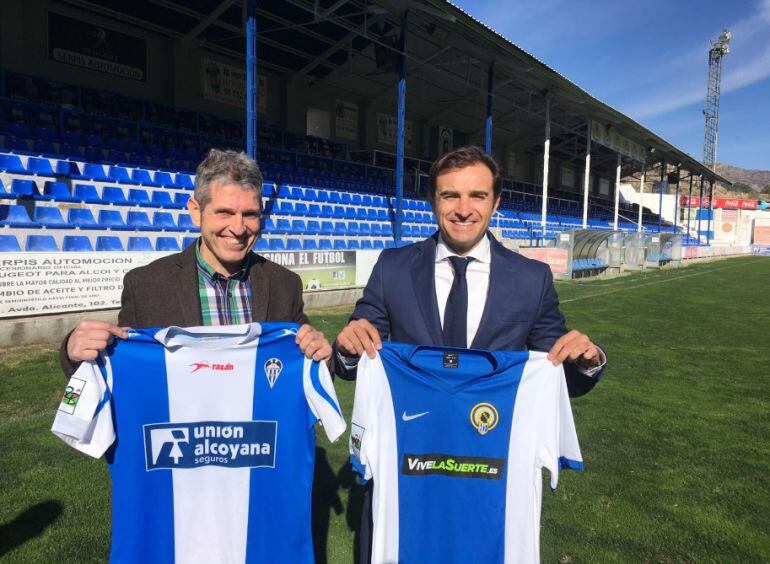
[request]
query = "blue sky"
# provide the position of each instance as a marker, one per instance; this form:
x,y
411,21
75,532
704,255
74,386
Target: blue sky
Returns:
x,y
649,59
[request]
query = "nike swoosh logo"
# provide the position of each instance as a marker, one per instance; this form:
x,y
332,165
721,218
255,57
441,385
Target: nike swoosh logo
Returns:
x,y
406,417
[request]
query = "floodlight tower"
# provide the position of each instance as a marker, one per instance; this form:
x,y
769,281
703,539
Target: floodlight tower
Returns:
x,y
716,52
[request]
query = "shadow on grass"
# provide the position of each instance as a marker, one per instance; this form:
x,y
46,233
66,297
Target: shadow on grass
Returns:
x,y
326,499
28,524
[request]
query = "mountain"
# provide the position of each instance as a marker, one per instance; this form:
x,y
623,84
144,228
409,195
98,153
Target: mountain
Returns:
x,y
746,182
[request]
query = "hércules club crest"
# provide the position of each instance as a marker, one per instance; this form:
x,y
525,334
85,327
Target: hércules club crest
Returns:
x,y
273,369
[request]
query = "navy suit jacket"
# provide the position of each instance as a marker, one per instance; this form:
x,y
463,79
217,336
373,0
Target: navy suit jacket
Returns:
x,y
521,311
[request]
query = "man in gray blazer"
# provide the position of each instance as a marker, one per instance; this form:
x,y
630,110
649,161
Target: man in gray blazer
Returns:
x,y
217,280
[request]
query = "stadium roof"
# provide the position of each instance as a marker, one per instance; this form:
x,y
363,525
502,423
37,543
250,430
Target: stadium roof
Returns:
x,y
352,46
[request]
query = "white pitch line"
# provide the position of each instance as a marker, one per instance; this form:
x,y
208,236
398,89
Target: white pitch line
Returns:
x,y
598,294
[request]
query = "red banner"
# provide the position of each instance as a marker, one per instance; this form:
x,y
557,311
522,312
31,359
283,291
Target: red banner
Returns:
x,y
726,203
555,258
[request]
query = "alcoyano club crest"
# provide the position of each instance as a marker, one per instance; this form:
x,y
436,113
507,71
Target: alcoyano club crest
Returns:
x,y
273,369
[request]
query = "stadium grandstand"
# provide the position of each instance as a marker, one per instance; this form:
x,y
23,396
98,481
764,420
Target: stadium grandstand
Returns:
x,y
106,108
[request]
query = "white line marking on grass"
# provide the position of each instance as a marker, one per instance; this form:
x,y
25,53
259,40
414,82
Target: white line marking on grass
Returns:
x,y
599,294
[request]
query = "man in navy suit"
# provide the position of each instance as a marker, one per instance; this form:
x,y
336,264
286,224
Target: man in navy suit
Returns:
x,y
511,301
508,301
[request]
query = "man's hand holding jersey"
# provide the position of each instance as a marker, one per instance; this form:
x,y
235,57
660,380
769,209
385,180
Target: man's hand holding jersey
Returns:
x,y
357,337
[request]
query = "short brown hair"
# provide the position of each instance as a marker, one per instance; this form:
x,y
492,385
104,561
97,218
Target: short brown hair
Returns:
x,y
461,158
226,166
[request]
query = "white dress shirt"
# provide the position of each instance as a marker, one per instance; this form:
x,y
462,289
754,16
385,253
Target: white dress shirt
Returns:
x,y
477,277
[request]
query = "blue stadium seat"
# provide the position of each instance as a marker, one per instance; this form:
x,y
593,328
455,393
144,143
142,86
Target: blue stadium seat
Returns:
x,y
92,171
163,199
282,227
379,244
82,218
184,181
57,191
41,243
109,243
322,196
9,244
142,177
301,209
112,220
15,216
140,197
165,221
268,225
309,245
327,228
298,227
314,210
12,164
180,198
284,208
262,244
334,198
167,244
23,188
163,179
40,167
294,245
187,241
345,198
185,222
277,245
114,195
350,213
340,228
66,168
139,221
339,212
268,189
119,174
76,244
354,245
86,193
50,218
325,245
354,228
340,244
364,228
313,227
311,195
139,244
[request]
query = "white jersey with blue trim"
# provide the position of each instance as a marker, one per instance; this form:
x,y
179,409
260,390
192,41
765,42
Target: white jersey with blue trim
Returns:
x,y
209,435
455,441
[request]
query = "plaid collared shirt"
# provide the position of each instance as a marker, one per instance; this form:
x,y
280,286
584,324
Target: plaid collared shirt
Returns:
x,y
225,300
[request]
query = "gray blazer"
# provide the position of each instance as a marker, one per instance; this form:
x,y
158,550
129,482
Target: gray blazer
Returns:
x,y
165,292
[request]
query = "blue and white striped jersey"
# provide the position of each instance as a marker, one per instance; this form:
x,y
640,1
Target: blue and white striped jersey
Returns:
x,y
209,435
455,441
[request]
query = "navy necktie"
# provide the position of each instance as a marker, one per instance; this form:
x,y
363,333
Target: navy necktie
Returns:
x,y
456,312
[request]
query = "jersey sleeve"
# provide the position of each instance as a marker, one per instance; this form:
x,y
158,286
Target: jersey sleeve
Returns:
x,y
559,447
359,439
84,418
322,399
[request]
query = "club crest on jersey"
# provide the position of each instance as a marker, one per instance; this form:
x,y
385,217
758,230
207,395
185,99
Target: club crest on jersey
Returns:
x,y
484,417
273,369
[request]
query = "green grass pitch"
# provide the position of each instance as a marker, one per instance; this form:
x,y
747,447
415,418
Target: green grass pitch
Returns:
x,y
675,438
